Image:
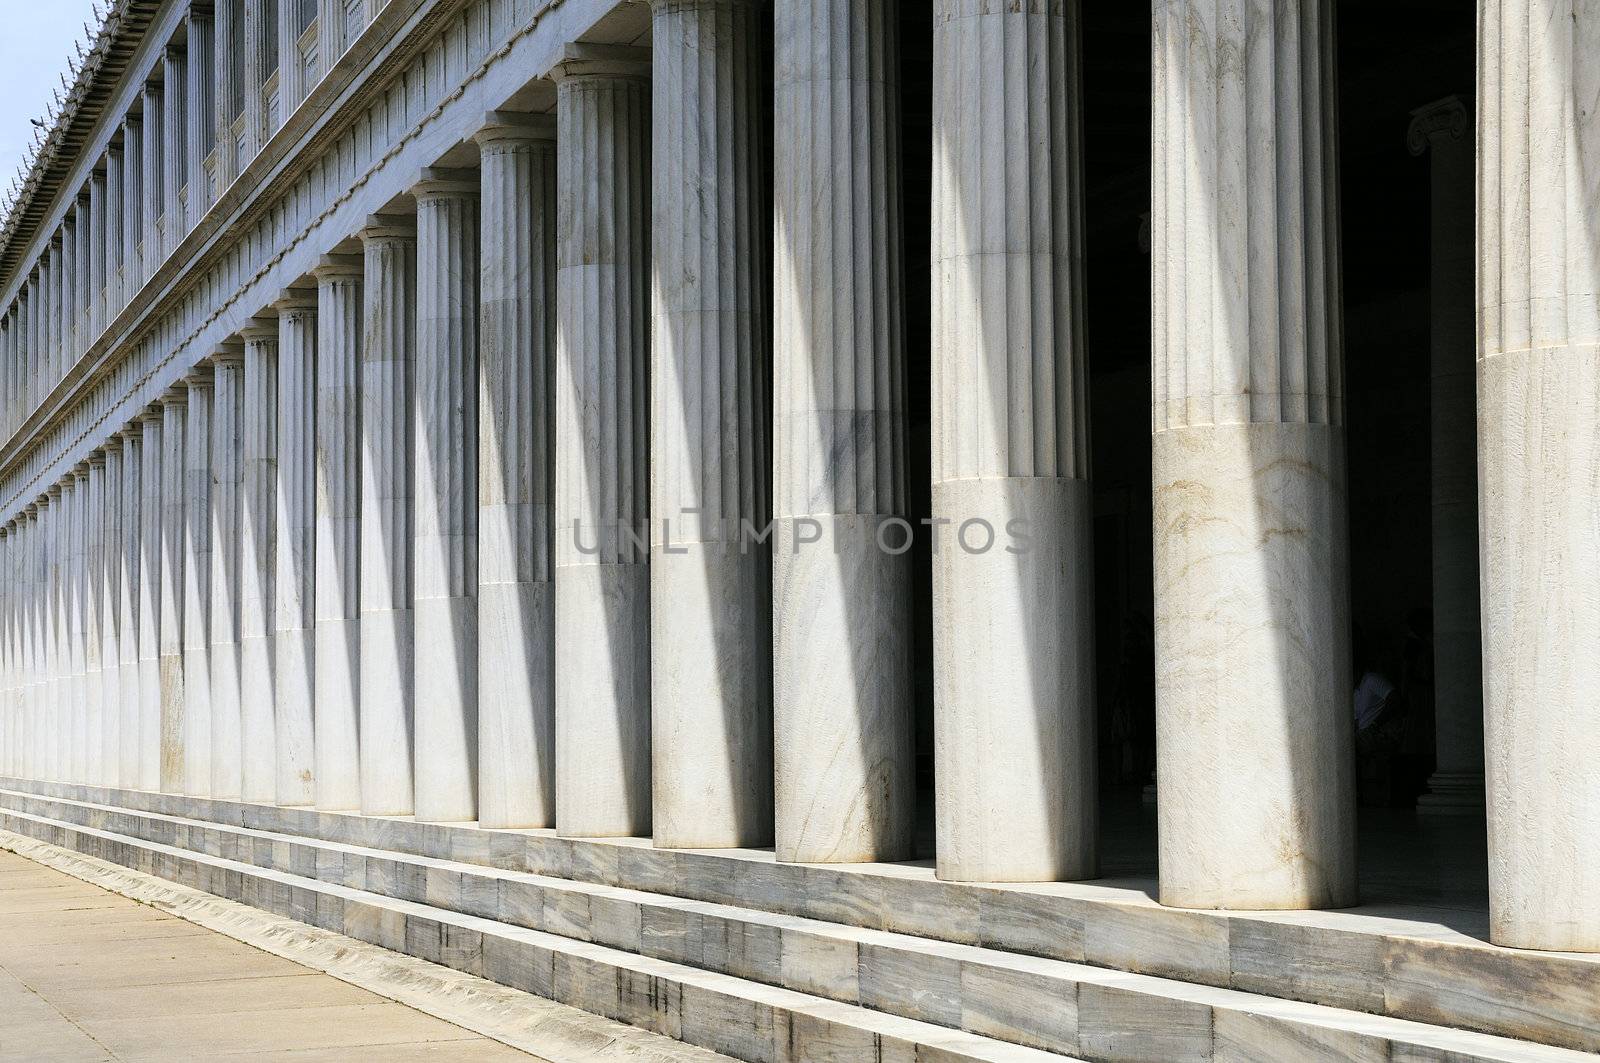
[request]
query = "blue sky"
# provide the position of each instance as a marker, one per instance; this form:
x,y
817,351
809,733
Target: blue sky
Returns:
x,y
38,38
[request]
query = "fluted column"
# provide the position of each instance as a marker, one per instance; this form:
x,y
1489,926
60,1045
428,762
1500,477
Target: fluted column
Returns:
x,y
227,472
710,466
197,585
50,320
388,363
67,302
260,31
156,146
516,635
129,596
111,267
1014,706
93,576
1443,129
1538,376
1253,725
445,445
841,586
96,315
135,167
338,531
112,544
291,89
174,150
151,519
52,617
83,259
74,577
294,595
199,107
602,576
331,41
258,564
173,586
228,43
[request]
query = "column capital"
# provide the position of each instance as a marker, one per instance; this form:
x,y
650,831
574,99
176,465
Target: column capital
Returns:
x,y
96,459
337,268
295,300
446,181
113,442
176,395
515,127
228,352
151,414
259,328
80,471
52,492
198,378
601,60
1447,117
388,227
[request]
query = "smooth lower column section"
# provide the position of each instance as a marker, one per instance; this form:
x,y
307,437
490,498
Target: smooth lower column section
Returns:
x,y
338,549
294,594
388,361
1254,737
174,553
1444,129
602,572
841,581
227,474
197,586
445,445
1539,457
1014,705
130,596
710,579
258,564
151,423
516,417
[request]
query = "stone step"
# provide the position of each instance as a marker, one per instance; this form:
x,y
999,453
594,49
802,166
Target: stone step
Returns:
x,y
1409,966
1054,1005
719,1012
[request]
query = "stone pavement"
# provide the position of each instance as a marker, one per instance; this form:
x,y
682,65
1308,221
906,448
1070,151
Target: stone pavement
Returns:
x,y
88,975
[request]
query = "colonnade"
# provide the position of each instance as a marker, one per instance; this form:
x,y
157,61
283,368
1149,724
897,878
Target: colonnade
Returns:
x,y
548,506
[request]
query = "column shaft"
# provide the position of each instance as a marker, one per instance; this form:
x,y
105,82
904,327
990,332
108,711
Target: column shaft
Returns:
x,y
129,597
150,600
294,594
841,599
112,545
388,362
174,151
1253,727
602,571
1538,374
94,545
710,465
258,565
516,737
75,733
134,170
97,257
197,586
83,277
338,530
174,552
445,445
227,472
111,269
155,147
200,110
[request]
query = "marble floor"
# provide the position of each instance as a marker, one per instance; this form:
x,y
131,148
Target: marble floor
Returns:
x,y
88,975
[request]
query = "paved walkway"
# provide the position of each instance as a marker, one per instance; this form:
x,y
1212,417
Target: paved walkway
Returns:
x,y
87,975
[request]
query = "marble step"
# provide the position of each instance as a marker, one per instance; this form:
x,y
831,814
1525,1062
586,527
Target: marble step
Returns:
x,y
1410,965
722,1013
1053,1005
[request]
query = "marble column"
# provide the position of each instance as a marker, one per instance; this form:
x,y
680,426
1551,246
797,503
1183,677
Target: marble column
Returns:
x,y
174,150
1443,129
516,633
129,597
291,80
1254,734
602,576
112,544
155,200
66,303
260,29
93,578
294,593
197,585
151,517
227,473
258,564
842,626
83,259
199,109
445,445
74,588
47,729
228,40
331,41
173,586
338,533
96,315
115,226
710,466
388,362
1014,706
135,167
1538,376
